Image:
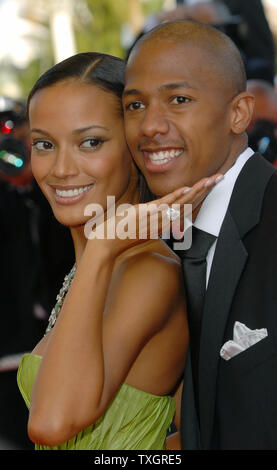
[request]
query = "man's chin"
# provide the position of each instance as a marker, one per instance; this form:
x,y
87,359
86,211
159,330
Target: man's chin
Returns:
x,y
159,191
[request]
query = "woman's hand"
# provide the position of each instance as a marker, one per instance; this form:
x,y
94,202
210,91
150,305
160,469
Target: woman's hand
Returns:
x,y
134,224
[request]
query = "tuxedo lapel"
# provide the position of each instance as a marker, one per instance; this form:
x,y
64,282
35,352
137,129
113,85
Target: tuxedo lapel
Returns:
x,y
229,260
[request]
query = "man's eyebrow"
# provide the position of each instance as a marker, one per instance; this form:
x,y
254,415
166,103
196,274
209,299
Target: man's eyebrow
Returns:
x,y
76,131
166,86
132,91
173,86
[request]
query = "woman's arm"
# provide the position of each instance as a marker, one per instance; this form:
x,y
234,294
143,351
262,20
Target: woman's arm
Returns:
x,y
90,353
173,442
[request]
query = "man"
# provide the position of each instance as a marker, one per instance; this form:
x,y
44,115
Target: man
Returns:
x,y
186,111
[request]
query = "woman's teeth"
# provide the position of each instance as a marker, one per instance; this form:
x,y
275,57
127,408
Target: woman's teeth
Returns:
x,y
162,157
73,192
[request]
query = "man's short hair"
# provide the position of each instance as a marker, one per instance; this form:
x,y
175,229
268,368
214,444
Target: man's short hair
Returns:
x,y
221,52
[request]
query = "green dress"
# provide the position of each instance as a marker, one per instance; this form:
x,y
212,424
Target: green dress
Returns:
x,y
134,420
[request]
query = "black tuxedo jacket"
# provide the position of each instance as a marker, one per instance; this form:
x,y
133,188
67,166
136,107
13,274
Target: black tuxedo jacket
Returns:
x,y
238,398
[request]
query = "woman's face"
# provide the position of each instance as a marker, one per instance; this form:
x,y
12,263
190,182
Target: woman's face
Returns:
x,y
79,155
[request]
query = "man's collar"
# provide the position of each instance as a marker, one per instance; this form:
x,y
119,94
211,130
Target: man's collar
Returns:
x,y
214,207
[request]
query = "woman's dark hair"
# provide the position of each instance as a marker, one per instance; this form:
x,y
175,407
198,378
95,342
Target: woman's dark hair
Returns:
x,y
103,70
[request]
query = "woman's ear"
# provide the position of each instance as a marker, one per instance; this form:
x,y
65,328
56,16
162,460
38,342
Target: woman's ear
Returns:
x,y
242,111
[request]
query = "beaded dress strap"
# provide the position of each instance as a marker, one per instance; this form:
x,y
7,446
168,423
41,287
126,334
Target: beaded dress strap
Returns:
x,y
60,297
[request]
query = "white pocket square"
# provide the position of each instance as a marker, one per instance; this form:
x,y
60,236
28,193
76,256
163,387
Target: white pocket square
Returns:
x,y
243,338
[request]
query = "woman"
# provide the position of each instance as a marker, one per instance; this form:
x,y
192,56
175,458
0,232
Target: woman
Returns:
x,y
103,375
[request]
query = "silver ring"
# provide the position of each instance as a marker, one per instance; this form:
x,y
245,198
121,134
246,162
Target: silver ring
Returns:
x,y
172,214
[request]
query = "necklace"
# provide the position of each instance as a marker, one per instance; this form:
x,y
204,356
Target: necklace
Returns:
x,y
60,297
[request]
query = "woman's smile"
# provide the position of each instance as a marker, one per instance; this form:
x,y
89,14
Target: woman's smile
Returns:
x,y
67,195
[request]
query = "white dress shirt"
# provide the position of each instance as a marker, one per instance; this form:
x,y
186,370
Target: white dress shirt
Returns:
x,y
213,210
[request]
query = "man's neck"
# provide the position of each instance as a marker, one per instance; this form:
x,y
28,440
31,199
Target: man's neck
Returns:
x,y
242,146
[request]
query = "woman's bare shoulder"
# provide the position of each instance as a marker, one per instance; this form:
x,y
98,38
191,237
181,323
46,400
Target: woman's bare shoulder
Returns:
x,y
149,270
149,251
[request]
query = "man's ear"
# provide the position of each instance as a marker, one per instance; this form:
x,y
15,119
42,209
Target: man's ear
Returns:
x,y
242,111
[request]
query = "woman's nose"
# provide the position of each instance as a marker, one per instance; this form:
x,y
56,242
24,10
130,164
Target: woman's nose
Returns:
x,y
65,164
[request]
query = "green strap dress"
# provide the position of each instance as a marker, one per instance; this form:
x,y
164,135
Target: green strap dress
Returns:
x,y
134,420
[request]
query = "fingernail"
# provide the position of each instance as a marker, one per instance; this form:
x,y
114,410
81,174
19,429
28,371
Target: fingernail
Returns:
x,y
208,183
219,178
186,190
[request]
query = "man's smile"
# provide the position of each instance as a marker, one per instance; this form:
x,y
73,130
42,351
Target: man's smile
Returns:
x,y
160,159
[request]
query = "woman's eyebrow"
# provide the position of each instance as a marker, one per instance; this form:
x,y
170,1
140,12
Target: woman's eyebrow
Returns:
x,y
39,131
76,131
84,129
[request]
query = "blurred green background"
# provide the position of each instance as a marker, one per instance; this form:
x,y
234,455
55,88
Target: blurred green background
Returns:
x,y
35,34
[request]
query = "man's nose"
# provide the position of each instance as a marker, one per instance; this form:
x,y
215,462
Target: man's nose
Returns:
x,y
154,122
65,164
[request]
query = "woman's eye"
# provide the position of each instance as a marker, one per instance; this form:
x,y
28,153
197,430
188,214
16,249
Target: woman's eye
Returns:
x,y
180,100
135,105
43,145
91,143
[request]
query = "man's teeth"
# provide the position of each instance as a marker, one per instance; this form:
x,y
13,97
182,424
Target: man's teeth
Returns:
x,y
73,192
159,158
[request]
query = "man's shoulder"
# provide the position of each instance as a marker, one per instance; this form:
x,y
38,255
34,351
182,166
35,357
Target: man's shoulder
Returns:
x,y
273,180
268,209
270,196
252,182
258,165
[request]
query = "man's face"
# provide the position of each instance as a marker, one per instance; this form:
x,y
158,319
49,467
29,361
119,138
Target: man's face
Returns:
x,y
177,115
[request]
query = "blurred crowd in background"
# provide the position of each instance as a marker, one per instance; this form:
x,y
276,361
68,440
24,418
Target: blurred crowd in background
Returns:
x,y
36,252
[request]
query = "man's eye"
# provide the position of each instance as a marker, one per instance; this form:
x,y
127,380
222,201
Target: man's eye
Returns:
x,y
92,143
180,100
135,105
42,145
